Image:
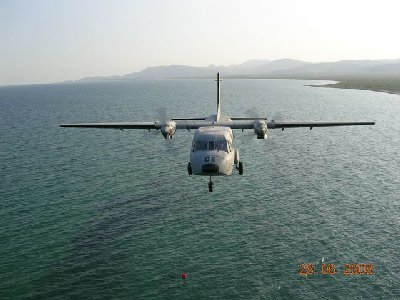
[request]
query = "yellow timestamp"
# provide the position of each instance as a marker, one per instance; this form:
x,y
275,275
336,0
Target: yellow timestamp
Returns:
x,y
332,269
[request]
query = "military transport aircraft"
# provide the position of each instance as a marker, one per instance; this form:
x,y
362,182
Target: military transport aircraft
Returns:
x,y
213,152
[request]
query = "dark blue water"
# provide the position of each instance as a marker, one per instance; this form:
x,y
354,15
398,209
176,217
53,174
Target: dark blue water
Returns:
x,y
91,213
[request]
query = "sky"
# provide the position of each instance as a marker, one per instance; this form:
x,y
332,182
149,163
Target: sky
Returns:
x,y
45,41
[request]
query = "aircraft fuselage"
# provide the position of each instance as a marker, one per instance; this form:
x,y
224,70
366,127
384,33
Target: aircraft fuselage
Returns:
x,y
212,152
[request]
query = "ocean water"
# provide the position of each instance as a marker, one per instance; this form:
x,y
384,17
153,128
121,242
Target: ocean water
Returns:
x,y
109,214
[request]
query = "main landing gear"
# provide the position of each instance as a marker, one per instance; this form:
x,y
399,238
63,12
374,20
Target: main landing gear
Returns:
x,y
238,163
240,168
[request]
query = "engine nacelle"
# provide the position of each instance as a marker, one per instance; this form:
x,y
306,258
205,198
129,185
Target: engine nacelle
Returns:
x,y
261,129
168,129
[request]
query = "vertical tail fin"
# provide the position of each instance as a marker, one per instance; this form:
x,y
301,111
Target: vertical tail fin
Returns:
x,y
218,98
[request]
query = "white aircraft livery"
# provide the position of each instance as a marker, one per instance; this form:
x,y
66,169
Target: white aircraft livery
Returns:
x,y
213,152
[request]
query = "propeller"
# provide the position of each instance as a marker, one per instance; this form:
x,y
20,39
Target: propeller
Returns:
x,y
168,127
162,114
250,112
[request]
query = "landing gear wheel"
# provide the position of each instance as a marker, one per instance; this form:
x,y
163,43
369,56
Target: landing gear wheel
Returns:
x,y
210,185
240,168
190,171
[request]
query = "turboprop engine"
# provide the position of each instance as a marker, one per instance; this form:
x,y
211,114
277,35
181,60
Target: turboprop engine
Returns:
x,y
260,129
168,129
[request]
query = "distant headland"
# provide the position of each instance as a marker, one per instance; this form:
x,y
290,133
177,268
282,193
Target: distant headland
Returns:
x,y
376,75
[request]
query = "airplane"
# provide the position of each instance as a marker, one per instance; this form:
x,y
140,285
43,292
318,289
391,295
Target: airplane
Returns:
x,y
213,152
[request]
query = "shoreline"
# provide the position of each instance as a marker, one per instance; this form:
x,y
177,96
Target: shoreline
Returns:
x,y
389,86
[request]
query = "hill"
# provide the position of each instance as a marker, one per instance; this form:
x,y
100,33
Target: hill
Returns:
x,y
377,75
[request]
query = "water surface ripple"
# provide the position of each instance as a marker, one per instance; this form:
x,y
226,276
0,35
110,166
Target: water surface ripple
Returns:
x,y
109,214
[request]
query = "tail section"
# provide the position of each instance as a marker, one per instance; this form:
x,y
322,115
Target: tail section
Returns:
x,y
218,98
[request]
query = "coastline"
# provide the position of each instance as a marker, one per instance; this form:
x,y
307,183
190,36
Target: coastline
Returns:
x,y
383,85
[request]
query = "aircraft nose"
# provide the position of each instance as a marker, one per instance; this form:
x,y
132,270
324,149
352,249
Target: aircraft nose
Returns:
x,y
210,168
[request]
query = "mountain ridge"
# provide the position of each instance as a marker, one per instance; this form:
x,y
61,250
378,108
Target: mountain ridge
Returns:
x,y
256,68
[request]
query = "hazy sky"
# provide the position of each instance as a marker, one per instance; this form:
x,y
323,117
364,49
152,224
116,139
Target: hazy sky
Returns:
x,y
56,40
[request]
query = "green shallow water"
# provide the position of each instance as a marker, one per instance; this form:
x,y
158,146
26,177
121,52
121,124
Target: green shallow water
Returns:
x,y
109,214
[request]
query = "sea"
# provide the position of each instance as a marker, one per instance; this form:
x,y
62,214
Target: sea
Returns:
x,y
111,214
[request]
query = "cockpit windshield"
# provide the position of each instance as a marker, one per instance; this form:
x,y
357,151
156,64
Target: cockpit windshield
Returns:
x,y
219,145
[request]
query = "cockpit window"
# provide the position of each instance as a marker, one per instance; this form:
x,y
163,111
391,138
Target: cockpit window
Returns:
x,y
221,146
201,145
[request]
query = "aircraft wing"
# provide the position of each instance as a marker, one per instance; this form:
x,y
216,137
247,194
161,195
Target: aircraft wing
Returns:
x,y
194,123
277,124
251,123
261,125
168,128
189,123
123,125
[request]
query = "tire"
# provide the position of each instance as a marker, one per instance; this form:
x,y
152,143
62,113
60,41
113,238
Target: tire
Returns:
x,y
240,168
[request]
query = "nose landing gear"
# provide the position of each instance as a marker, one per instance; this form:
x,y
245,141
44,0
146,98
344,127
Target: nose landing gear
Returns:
x,y
210,185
